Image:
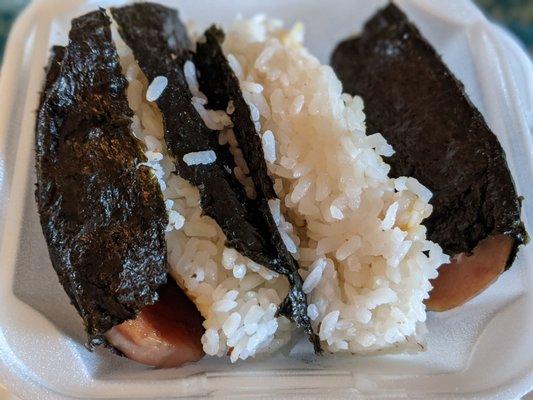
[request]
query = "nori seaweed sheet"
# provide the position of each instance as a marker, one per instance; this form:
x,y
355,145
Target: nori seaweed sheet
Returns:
x,y
440,138
102,214
218,82
163,52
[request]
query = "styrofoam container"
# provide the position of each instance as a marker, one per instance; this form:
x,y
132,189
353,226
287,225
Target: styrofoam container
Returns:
x,y
483,349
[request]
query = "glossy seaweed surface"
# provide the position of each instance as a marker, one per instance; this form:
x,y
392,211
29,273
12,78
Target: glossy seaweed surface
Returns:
x,y
102,214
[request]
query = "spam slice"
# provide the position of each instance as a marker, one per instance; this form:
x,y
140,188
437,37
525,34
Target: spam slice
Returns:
x,y
441,139
470,274
163,335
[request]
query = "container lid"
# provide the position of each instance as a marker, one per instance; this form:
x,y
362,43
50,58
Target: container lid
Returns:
x,y
480,350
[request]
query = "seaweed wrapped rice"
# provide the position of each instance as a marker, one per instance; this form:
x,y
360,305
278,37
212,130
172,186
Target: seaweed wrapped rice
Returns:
x,y
442,140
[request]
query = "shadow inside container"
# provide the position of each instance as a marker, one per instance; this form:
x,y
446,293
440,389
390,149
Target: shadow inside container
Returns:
x,y
36,282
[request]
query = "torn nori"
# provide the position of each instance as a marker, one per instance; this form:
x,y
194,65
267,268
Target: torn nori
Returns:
x,y
164,53
218,82
439,137
103,215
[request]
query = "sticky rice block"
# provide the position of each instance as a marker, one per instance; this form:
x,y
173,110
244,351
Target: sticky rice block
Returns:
x,y
361,245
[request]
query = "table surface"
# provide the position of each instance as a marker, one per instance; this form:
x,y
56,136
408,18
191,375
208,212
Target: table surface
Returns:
x,y
516,15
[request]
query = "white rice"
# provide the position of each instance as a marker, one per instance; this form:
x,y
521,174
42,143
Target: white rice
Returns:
x,y
355,232
156,88
361,246
200,157
269,146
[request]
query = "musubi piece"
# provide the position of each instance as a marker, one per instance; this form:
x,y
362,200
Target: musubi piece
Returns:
x,y
441,139
101,209
102,215
218,82
247,223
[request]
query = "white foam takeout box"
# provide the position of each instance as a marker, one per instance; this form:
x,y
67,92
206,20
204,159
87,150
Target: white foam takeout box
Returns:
x,y
483,349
